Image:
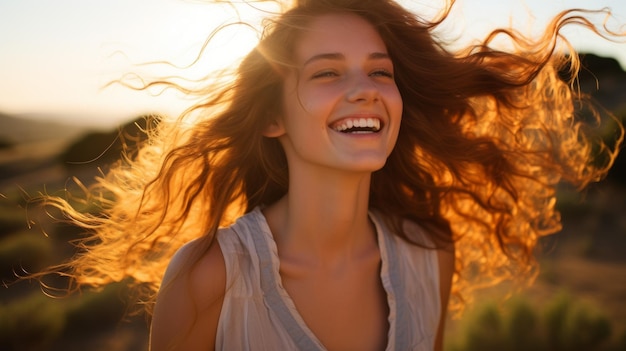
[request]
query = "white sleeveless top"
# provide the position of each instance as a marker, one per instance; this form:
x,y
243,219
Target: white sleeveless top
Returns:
x,y
258,314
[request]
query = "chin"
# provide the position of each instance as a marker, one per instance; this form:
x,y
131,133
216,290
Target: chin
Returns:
x,y
369,166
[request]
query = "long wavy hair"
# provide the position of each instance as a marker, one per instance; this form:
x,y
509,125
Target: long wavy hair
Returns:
x,y
486,136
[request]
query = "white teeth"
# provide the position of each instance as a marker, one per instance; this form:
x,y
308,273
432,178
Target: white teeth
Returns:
x,y
373,123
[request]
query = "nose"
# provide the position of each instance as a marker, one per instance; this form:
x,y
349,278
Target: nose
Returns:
x,y
362,89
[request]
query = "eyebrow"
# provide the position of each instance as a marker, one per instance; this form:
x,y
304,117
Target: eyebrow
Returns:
x,y
339,56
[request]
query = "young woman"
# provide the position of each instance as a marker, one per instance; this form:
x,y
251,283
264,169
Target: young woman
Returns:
x,y
312,269
370,172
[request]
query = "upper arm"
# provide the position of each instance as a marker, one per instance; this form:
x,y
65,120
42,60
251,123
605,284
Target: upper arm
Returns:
x,y
189,302
445,257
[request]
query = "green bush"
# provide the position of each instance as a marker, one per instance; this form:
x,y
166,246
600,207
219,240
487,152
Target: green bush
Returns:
x,y
31,323
36,322
24,252
486,331
574,327
564,325
523,328
12,217
91,310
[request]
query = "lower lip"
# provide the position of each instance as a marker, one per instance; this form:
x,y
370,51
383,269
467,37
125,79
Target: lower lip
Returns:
x,y
360,134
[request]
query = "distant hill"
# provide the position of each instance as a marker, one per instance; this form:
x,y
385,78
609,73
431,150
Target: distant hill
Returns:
x,y
16,129
604,79
102,148
602,66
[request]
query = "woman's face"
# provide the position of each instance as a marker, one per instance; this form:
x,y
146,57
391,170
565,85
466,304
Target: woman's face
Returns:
x,y
342,108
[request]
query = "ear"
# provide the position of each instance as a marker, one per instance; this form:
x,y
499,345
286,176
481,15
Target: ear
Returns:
x,y
274,129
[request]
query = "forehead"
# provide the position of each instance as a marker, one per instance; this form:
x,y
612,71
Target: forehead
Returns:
x,y
342,33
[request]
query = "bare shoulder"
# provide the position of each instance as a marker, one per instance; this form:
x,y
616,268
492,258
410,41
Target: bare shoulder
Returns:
x,y
201,272
189,302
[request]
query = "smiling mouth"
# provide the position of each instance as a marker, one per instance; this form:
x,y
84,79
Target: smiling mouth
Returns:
x,y
357,125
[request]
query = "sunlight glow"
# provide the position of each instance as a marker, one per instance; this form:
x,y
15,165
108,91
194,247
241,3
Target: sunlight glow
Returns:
x,y
215,39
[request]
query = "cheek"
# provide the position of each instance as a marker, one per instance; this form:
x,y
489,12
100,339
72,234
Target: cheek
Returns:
x,y
316,101
395,108
394,102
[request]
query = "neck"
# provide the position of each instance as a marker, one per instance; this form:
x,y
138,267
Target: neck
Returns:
x,y
323,218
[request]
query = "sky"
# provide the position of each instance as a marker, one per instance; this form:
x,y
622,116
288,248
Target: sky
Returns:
x,y
56,56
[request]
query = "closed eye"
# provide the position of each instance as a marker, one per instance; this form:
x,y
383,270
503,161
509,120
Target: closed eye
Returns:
x,y
382,73
325,74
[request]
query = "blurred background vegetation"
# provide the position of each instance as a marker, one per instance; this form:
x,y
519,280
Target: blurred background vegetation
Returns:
x,y
577,303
